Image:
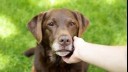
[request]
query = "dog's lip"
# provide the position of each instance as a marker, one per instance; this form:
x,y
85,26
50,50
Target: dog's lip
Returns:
x,y
63,50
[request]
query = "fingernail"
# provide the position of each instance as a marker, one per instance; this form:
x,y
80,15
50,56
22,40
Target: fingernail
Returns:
x,y
75,37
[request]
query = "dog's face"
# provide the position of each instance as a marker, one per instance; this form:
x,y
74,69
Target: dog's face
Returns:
x,y
58,27
61,26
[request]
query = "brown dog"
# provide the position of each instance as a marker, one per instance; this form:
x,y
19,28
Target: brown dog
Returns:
x,y
54,31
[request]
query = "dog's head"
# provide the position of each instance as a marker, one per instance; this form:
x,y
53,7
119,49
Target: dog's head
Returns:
x,y
58,27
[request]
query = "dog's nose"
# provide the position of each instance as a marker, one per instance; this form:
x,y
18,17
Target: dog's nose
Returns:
x,y
64,40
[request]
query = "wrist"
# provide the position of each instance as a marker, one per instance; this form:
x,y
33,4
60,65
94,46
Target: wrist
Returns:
x,y
82,50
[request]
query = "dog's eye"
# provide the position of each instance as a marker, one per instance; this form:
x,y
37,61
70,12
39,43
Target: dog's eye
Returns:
x,y
72,23
51,24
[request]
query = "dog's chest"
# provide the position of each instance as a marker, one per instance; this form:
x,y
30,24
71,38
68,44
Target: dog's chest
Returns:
x,y
62,68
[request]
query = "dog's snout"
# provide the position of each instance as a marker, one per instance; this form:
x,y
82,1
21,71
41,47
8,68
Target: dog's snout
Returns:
x,y
64,40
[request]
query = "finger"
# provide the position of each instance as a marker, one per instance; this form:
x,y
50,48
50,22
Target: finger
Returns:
x,y
75,37
66,60
69,60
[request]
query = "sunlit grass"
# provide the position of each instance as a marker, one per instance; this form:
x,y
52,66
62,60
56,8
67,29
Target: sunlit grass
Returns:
x,y
110,1
7,28
49,3
4,60
58,2
107,26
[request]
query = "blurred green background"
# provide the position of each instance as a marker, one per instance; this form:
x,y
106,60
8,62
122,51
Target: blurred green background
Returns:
x,y
107,26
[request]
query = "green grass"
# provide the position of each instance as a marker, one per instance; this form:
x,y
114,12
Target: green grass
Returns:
x,y
107,26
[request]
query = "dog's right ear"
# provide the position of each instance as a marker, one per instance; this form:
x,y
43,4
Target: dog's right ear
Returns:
x,y
35,26
83,22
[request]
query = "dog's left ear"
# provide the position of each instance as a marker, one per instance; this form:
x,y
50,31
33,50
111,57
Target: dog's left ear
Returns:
x,y
83,23
35,26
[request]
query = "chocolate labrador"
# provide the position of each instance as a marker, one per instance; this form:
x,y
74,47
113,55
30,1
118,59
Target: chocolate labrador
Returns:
x,y
54,31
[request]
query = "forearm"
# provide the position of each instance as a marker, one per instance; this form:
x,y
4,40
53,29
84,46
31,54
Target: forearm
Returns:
x,y
111,58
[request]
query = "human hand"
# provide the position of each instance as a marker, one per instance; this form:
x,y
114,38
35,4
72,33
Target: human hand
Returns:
x,y
79,43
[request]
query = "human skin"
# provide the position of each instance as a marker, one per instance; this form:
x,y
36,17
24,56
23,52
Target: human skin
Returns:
x,y
111,58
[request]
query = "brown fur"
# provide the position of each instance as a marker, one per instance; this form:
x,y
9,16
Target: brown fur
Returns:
x,y
45,59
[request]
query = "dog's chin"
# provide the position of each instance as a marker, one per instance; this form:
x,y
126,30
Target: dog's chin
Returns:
x,y
62,53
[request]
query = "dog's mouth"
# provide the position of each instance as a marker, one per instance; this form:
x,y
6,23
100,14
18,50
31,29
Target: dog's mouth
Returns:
x,y
63,52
